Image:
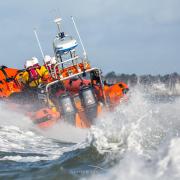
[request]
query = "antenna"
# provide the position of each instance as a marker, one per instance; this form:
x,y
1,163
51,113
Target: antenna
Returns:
x,y
84,51
39,44
58,23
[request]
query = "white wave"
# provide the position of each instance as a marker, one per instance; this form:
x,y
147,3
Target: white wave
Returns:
x,y
9,117
18,135
129,125
134,129
165,165
65,132
16,140
142,135
169,164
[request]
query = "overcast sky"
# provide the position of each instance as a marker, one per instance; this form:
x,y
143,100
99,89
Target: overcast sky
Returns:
x,y
127,36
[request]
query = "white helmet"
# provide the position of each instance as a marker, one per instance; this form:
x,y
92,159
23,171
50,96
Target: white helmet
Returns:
x,y
47,59
53,60
28,64
34,60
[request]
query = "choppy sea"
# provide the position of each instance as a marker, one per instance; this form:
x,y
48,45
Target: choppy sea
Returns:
x,y
139,140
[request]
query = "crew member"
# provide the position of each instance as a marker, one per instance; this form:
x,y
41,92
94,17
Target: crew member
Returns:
x,y
47,61
34,74
50,63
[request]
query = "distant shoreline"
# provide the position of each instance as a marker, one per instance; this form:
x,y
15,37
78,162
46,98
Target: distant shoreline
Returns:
x,y
134,79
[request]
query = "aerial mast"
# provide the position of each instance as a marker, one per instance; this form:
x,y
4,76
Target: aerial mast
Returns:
x,y
39,44
84,51
58,23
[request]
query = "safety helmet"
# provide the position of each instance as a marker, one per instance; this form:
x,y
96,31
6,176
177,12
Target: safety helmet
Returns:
x,y
28,64
35,61
47,59
53,60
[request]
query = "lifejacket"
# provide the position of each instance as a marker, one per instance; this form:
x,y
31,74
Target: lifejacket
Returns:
x,y
45,75
54,72
35,76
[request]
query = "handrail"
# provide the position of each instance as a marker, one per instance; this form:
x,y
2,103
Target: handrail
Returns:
x,y
65,78
62,79
60,63
50,84
71,59
71,76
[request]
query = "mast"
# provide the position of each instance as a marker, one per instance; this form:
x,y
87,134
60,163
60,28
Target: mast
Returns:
x,y
84,51
39,44
58,23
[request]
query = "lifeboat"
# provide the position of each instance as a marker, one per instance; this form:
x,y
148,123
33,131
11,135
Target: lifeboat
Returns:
x,y
77,99
74,93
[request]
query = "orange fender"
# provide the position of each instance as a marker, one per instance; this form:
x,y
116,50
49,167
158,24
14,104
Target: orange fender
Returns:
x,y
44,117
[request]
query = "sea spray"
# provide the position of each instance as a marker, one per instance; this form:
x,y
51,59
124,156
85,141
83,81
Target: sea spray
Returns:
x,y
139,139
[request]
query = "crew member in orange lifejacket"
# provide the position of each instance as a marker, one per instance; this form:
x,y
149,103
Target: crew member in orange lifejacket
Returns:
x,y
115,92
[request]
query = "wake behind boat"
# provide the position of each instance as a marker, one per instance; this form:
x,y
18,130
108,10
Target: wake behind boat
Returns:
x,y
65,88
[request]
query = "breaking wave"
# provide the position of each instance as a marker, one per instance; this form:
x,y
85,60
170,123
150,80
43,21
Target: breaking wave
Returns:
x,y
142,137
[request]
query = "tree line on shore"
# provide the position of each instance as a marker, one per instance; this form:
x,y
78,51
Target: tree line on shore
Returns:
x,y
133,79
